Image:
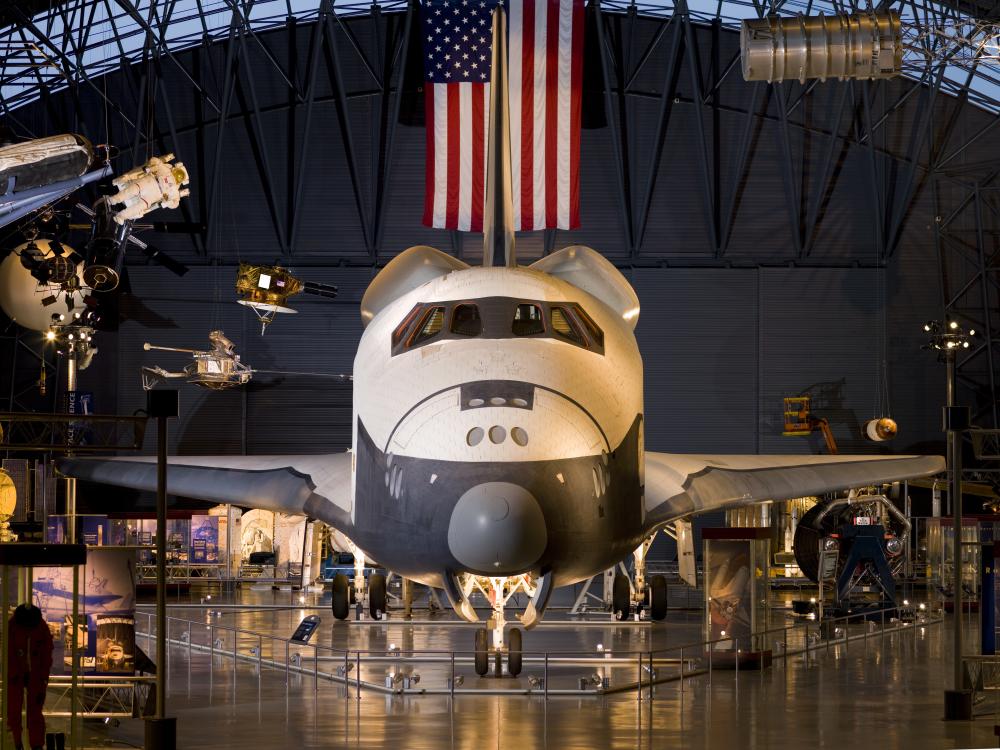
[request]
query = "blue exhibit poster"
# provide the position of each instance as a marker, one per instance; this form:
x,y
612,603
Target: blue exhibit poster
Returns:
x,y
105,630
56,531
204,539
95,530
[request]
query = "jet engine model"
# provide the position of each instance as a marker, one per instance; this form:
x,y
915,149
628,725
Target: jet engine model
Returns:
x,y
868,532
217,368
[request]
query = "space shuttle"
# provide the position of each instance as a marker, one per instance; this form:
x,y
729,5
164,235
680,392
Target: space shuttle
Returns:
x,y
498,425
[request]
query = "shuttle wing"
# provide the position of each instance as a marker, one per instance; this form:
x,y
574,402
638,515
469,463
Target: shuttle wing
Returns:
x,y
679,485
316,486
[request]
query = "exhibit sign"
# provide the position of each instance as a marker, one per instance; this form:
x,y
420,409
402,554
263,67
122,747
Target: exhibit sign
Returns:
x,y
204,539
105,628
78,402
304,632
729,592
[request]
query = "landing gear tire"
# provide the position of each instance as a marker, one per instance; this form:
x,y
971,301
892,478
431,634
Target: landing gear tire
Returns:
x,y
658,597
341,597
514,652
482,652
621,597
376,595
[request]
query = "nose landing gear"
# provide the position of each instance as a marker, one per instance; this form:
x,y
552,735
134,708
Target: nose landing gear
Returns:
x,y
498,591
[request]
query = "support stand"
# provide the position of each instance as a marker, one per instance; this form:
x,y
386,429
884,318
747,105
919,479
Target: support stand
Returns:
x,y
161,732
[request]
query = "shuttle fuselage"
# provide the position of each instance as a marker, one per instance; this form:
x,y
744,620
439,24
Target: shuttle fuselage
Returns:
x,y
497,429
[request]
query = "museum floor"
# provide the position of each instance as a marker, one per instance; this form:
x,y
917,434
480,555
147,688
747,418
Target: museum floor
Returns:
x,y
881,693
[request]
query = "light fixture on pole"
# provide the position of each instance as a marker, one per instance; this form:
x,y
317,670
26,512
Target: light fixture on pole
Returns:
x,y
948,339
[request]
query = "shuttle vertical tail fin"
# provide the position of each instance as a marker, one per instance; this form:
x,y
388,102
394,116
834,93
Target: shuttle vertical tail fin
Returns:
x,y
498,214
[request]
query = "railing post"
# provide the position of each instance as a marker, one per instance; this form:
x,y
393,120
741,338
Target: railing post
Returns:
x,y
357,666
682,669
711,648
650,679
452,683
347,674
736,645
545,676
638,684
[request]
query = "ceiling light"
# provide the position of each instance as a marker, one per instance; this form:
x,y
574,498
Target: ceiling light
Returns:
x,y
50,335
953,325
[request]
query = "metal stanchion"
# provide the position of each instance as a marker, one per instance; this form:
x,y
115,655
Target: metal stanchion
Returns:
x,y
545,676
161,730
5,608
75,659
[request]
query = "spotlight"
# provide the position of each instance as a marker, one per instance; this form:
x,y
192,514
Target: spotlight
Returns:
x,y
965,344
972,331
927,327
953,325
50,335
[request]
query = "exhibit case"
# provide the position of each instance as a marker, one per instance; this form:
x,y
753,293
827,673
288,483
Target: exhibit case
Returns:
x,y
940,557
736,564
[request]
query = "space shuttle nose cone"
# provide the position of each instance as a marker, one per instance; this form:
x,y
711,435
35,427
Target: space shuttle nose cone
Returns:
x,y
497,528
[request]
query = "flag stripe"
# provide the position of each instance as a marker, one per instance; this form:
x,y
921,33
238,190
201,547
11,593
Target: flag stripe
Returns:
x,y
525,187
454,154
465,137
441,155
551,112
576,108
478,148
541,61
516,38
564,110
429,192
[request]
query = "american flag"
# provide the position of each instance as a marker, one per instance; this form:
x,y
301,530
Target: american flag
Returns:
x,y
545,70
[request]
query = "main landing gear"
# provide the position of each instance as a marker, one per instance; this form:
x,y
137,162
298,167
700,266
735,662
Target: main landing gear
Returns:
x,y
626,595
371,593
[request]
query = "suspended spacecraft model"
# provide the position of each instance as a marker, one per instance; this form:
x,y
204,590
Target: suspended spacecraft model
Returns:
x,y
37,173
217,369
266,289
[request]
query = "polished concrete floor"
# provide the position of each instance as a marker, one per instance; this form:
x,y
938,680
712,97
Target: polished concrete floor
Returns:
x,y
885,692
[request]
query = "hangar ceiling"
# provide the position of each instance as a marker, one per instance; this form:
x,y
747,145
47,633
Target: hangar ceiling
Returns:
x,y
304,143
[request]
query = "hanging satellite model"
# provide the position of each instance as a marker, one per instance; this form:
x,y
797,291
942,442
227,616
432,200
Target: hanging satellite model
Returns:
x,y
8,504
37,173
266,289
41,280
217,369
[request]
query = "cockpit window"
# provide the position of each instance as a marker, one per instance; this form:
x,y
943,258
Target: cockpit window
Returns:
x,y
430,326
401,330
497,318
596,334
528,320
563,324
465,321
